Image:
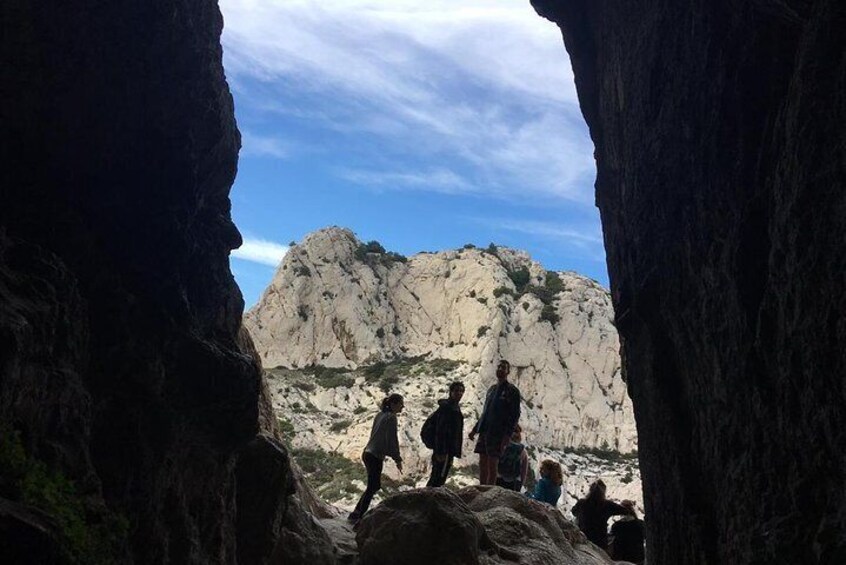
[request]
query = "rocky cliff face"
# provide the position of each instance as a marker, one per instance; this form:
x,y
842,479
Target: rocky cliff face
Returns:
x,y
343,323
122,368
720,151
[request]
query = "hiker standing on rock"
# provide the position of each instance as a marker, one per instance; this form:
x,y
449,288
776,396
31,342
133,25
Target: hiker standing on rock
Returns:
x,y
593,511
443,432
383,443
498,421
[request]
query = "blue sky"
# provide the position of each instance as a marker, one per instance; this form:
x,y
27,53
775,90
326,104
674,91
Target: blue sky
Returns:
x,y
422,124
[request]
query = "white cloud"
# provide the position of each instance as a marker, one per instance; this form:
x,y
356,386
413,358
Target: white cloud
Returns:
x,y
261,251
582,237
254,144
481,86
434,180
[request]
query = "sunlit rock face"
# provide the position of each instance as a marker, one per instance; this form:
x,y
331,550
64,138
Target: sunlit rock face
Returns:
x,y
121,363
432,319
719,143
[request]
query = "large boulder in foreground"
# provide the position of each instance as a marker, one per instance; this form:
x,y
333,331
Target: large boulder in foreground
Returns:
x,y
477,526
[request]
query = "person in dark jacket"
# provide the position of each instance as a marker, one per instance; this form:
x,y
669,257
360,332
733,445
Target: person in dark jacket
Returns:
x,y
593,511
499,418
383,443
449,435
627,537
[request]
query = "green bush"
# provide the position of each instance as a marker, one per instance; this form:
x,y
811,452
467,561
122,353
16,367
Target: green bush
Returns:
x,y
520,278
373,253
501,290
482,331
469,246
359,410
544,294
330,474
302,271
549,314
88,534
380,333
302,312
553,282
482,300
286,428
340,425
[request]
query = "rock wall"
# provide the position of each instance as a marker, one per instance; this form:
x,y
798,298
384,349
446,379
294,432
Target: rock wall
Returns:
x,y
121,364
721,156
331,305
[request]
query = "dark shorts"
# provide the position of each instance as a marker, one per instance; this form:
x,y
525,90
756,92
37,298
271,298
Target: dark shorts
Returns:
x,y
490,445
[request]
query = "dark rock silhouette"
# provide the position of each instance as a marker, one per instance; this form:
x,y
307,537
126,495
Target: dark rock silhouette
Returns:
x,y
719,133
121,359
479,525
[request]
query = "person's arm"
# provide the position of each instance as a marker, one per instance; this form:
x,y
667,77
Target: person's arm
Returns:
x,y
614,509
442,435
392,447
514,415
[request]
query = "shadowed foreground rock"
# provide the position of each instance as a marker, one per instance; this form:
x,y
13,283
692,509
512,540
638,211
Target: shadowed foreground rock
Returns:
x,y
477,526
720,133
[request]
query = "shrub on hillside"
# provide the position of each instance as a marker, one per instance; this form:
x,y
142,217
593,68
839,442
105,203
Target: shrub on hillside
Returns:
x,y
549,314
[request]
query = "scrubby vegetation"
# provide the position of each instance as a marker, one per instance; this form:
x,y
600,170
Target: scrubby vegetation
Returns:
x,y
88,534
520,278
330,474
329,377
502,290
388,373
374,253
482,331
605,453
549,314
340,425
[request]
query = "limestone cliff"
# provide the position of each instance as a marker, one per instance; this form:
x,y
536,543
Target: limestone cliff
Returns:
x,y
413,325
721,182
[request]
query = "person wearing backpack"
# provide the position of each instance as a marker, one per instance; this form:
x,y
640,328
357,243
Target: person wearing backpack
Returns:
x,y
443,433
514,463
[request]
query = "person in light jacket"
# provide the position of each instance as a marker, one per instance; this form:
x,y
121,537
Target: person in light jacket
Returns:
x,y
383,443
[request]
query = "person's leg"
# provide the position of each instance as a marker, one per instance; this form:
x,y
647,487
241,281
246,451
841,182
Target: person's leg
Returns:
x,y
483,469
436,472
440,471
492,463
374,483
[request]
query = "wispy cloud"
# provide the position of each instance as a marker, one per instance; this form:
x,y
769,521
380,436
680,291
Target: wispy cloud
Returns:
x,y
583,237
481,87
264,146
434,180
261,251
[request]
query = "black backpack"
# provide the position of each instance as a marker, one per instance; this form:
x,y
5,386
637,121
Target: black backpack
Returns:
x,y
428,432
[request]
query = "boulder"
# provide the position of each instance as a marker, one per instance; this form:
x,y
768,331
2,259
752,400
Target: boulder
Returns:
x,y
478,525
